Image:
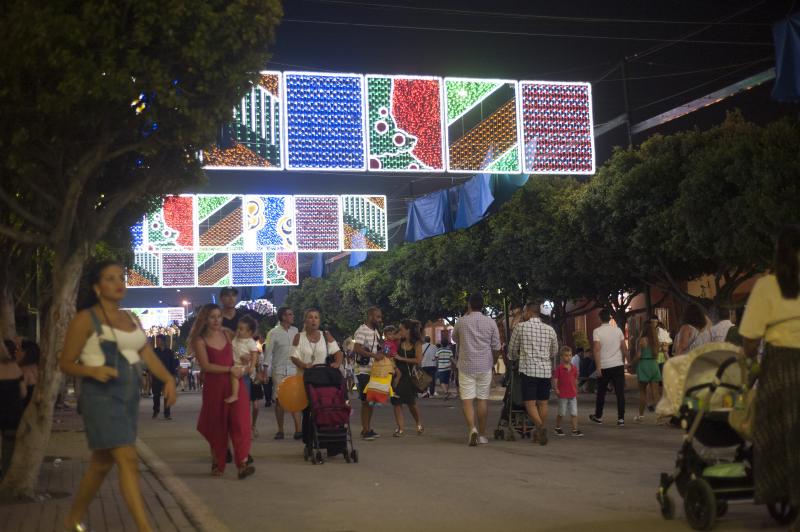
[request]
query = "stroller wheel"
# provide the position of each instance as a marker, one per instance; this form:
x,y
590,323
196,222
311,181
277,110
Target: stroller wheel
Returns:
x,y
319,457
354,456
498,434
722,507
783,513
347,457
306,454
700,504
667,507
314,459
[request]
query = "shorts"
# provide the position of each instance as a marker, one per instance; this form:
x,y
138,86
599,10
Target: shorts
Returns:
x,y
277,378
535,388
444,376
361,384
568,406
475,386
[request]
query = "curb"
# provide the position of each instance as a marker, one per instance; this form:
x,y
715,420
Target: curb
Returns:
x,y
198,512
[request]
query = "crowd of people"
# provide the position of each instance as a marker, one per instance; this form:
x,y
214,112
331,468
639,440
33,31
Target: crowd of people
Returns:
x,y
387,364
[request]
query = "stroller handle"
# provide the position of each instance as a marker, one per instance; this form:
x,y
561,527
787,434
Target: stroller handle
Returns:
x,y
717,382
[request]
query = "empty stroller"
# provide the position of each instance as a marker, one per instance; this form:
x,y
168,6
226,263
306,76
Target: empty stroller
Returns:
x,y
700,390
513,418
326,421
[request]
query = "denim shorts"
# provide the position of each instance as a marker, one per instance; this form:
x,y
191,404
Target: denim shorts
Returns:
x,y
568,406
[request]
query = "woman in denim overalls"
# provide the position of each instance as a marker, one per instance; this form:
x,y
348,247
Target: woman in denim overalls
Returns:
x,y
105,346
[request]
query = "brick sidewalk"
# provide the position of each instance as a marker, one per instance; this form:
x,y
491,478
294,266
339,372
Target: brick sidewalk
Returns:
x,y
59,480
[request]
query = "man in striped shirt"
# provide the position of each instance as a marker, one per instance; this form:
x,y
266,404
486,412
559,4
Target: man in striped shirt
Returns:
x,y
478,342
535,345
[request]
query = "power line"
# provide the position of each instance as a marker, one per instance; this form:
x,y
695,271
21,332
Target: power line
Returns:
x,y
521,33
687,72
374,5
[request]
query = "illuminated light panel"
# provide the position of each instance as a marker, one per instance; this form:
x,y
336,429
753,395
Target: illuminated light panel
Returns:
x,y
213,269
170,228
364,225
404,124
482,128
247,269
324,121
145,271
557,128
178,270
220,223
269,223
280,269
318,227
253,138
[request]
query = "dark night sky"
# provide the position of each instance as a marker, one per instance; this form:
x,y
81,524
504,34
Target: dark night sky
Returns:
x,y
675,51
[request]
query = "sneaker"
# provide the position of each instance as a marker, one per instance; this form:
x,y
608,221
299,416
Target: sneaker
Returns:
x,y
372,434
473,438
542,436
366,436
425,395
595,419
168,418
637,419
279,435
620,422
155,415
483,440
577,433
559,431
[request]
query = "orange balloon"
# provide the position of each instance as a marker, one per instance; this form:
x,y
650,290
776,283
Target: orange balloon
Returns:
x,y
292,394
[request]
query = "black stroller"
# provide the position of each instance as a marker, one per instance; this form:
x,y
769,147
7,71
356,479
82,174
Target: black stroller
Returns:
x,y
326,421
514,418
701,388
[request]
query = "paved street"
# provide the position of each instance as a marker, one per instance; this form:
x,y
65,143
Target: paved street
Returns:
x,y
605,481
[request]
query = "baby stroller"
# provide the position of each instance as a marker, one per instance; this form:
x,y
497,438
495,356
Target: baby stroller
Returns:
x,y
513,418
700,390
326,421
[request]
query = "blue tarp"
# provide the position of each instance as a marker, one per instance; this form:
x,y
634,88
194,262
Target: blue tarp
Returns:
x,y
359,241
459,207
428,216
474,199
318,266
787,59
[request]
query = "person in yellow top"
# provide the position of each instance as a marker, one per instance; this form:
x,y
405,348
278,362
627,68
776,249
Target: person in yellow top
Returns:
x,y
773,314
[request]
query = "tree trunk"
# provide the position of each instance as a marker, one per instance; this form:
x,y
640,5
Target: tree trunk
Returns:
x,y
8,324
33,434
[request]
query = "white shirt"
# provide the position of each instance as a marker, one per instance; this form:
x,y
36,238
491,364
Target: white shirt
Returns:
x,y
278,350
128,342
314,353
428,356
610,338
720,330
369,340
242,347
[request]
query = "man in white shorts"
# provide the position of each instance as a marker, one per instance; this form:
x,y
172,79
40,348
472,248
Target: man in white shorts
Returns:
x,y
478,342
277,355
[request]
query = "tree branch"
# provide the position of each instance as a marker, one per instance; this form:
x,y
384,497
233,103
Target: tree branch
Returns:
x,y
22,212
24,236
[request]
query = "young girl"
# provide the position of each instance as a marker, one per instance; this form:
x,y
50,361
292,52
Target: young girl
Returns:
x,y
647,368
382,381
245,353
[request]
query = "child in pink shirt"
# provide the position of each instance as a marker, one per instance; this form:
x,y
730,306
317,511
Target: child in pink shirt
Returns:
x,y
565,383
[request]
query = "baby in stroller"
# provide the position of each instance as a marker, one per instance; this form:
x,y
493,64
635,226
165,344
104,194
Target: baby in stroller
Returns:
x,y
715,463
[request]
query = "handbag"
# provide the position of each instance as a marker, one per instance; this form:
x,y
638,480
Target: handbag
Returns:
x,y
419,378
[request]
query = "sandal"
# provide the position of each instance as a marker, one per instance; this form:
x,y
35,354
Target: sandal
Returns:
x,y
397,433
246,471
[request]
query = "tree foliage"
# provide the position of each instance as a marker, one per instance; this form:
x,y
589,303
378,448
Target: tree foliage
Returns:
x,y
105,106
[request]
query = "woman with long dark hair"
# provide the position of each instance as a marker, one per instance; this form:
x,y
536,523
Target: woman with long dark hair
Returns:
x,y
220,421
695,331
647,371
773,314
105,346
409,353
